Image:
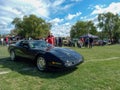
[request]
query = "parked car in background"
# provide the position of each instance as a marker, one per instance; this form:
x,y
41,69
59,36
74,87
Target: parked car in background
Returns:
x,y
100,42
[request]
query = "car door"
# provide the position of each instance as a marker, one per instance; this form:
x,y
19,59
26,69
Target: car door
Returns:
x,y
23,50
19,49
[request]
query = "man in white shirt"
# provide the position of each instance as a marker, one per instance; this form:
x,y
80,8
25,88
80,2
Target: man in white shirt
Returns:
x,y
2,40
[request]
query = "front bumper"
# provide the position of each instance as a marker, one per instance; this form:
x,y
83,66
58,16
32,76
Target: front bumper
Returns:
x,y
66,64
73,63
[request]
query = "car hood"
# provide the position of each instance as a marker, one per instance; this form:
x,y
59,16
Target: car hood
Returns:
x,y
65,54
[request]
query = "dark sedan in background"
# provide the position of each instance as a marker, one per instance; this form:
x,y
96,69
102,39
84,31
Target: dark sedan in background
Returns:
x,y
44,54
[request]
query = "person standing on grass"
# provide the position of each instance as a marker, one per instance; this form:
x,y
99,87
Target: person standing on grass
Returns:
x,y
51,39
7,41
90,42
60,41
2,40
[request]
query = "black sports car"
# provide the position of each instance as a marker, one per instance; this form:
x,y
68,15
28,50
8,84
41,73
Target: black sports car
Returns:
x,y
44,54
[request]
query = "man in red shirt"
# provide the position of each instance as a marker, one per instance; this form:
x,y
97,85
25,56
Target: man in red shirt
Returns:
x,y
51,39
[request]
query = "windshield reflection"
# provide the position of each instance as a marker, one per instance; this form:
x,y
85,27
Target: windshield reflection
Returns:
x,y
39,44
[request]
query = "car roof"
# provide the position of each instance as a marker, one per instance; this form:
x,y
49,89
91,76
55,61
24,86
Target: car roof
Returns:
x,y
31,40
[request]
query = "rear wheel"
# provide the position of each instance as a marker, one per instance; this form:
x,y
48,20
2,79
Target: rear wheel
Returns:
x,y
41,63
12,55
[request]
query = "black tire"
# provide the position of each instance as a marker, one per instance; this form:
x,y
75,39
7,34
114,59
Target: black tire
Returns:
x,y
41,63
12,55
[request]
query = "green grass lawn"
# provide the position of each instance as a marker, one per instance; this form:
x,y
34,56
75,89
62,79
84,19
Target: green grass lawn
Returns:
x,y
100,71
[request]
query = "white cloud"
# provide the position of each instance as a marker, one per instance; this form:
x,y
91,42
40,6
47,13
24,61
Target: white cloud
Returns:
x,y
76,0
28,7
2,26
9,9
18,8
67,24
58,6
113,7
58,2
83,18
66,7
61,30
40,8
6,19
71,16
56,21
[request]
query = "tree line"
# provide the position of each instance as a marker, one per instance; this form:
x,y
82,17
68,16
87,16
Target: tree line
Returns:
x,y
35,27
108,25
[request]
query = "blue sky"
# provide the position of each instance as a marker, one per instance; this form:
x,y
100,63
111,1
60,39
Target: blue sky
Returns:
x,y
62,14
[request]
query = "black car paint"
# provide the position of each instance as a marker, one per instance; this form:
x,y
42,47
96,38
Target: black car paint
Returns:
x,y
51,54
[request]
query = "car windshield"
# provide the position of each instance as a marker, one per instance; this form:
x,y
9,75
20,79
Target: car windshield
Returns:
x,y
39,44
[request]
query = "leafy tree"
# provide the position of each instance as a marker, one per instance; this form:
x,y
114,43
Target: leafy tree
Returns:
x,y
110,25
82,27
92,29
14,32
31,26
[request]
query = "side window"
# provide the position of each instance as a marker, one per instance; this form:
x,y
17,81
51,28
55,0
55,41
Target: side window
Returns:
x,y
21,43
24,44
32,45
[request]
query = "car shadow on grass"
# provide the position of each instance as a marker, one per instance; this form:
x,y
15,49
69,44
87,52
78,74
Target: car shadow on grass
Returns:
x,y
28,68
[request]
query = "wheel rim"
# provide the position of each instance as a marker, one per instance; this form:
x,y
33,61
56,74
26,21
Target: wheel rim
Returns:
x,y
41,63
12,55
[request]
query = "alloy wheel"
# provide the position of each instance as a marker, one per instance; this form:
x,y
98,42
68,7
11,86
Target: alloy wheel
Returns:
x,y
41,63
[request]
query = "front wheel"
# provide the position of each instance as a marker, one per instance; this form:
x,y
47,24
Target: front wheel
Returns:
x,y
12,55
41,63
